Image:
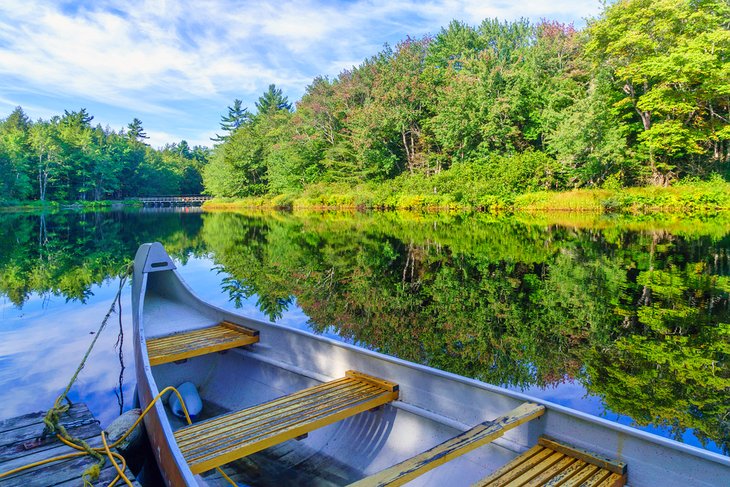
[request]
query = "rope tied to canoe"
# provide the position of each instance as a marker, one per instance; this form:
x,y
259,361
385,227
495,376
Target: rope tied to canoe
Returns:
x,y
52,420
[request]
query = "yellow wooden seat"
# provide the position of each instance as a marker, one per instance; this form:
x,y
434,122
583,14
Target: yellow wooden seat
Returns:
x,y
225,438
477,436
557,464
223,336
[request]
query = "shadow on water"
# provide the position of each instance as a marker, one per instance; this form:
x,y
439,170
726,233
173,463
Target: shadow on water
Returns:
x,y
624,318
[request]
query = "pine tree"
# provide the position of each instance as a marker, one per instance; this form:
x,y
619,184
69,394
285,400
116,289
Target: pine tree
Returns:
x,y
272,100
237,116
136,131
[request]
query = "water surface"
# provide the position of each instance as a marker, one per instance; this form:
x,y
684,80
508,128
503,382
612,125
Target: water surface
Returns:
x,y
624,319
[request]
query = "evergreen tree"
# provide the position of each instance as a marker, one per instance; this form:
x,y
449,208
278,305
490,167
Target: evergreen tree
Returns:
x,y
80,119
272,100
237,116
136,131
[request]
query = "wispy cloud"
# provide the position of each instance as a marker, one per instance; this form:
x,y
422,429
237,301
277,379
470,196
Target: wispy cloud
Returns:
x,y
177,63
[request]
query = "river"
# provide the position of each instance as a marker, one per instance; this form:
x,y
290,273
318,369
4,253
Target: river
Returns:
x,y
627,319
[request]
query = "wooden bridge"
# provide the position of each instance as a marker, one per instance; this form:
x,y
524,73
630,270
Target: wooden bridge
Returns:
x,y
179,200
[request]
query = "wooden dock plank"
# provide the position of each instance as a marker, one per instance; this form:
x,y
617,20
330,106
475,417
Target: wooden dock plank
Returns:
x,y
76,411
222,336
28,450
20,445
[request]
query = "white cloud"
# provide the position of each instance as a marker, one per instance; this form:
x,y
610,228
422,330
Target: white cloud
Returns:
x,y
152,58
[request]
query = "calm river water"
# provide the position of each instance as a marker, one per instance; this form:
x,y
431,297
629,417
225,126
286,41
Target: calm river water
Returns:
x,y
624,319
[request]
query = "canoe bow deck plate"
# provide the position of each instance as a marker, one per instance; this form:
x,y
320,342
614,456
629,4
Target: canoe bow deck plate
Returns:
x,y
223,336
231,436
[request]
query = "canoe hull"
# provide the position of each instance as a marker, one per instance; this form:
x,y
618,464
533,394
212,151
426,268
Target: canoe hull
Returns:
x,y
433,404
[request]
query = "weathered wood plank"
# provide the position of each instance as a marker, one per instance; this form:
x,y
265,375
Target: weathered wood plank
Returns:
x,y
383,384
256,415
216,338
480,435
581,476
614,480
75,412
551,463
52,474
516,465
551,472
22,447
105,478
240,328
597,478
535,470
29,448
566,474
66,471
587,456
236,432
235,435
504,476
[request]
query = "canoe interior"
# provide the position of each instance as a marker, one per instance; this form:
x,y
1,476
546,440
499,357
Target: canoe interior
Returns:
x,y
334,455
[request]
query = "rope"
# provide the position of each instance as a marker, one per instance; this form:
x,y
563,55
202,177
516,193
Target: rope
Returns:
x,y
53,416
107,448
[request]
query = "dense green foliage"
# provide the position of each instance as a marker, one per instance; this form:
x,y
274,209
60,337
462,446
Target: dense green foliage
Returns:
x,y
642,95
66,158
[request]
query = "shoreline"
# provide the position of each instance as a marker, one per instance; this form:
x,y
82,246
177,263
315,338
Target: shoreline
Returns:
x,y
30,206
705,198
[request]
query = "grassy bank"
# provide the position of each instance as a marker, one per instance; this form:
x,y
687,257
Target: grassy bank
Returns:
x,y
690,198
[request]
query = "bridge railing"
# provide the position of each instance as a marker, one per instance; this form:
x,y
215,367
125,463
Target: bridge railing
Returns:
x,y
172,199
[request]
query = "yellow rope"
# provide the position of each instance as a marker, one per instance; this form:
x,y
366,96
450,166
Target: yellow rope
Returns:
x,y
53,418
107,448
120,471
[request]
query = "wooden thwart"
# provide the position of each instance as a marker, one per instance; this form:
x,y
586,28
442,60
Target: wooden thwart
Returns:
x,y
225,438
551,463
480,435
223,336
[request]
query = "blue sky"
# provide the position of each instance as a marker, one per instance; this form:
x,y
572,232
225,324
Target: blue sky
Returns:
x,y
177,65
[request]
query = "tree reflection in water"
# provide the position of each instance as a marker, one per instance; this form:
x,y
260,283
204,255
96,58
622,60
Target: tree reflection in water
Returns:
x,y
637,312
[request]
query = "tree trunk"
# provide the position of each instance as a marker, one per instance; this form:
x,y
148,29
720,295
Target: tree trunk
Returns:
x,y
408,152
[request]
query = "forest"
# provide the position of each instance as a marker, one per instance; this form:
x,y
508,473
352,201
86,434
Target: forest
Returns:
x,y
473,116
640,97
68,159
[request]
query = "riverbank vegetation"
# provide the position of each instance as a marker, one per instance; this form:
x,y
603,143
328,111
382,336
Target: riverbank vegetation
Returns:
x,y
477,116
68,159
688,197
